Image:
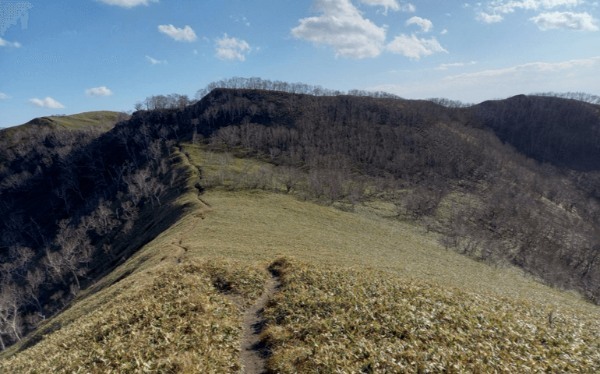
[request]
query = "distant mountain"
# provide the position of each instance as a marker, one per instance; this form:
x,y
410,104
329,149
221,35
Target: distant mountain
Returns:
x,y
507,182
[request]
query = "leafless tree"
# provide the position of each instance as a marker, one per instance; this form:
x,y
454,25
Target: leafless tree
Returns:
x,y
10,318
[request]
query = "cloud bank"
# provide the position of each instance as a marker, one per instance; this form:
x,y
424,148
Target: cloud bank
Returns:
x,y
555,14
341,26
565,20
539,76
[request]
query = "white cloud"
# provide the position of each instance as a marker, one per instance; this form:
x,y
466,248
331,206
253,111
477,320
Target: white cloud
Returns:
x,y
455,65
232,48
565,76
489,18
154,61
98,91
571,75
341,26
425,24
48,102
495,9
185,34
565,20
510,6
387,4
6,43
128,3
409,8
414,47
4,96
532,67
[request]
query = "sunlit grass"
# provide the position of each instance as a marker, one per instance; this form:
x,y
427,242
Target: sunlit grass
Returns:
x,y
178,320
100,119
327,319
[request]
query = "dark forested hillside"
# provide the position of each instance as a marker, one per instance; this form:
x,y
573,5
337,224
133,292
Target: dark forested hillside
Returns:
x,y
548,129
74,202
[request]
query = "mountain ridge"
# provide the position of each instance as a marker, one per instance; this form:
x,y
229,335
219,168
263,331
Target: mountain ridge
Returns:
x,y
442,168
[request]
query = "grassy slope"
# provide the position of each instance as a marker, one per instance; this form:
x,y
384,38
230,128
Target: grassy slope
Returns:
x,y
360,292
102,120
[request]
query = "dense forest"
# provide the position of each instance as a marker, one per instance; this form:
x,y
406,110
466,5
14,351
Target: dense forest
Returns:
x,y
513,181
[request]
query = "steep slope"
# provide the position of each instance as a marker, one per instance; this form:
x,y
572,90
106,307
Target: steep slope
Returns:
x,y
73,201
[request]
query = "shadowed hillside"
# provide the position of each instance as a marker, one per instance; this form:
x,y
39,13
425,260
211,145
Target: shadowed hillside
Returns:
x,y
558,131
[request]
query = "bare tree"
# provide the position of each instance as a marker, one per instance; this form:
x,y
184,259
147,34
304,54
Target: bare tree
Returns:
x,y
10,318
34,280
74,253
143,184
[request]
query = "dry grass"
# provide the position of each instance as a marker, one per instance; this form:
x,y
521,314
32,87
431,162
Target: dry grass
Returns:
x,y
259,226
366,293
99,120
104,120
184,320
339,320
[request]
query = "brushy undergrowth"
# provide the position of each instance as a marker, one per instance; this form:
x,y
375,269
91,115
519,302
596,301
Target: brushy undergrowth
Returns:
x,y
184,321
339,320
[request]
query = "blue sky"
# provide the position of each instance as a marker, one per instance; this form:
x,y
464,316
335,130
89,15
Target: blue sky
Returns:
x,y
70,56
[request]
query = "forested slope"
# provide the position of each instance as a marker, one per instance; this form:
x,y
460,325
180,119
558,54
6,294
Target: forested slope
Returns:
x,y
552,130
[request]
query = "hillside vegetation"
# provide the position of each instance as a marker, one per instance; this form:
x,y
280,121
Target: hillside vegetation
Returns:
x,y
185,212
440,166
407,304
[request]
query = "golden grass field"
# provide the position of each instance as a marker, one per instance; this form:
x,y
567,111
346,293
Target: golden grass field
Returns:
x,y
359,293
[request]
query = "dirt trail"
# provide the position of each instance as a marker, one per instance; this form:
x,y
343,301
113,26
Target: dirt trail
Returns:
x,y
254,353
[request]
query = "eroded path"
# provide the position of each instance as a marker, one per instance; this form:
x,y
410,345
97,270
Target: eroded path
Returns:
x,y
253,352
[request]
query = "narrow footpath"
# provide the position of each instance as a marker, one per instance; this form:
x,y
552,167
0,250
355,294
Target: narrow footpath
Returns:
x,y
254,354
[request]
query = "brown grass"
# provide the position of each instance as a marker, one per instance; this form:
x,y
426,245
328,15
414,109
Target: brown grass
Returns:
x,y
181,321
360,292
332,319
